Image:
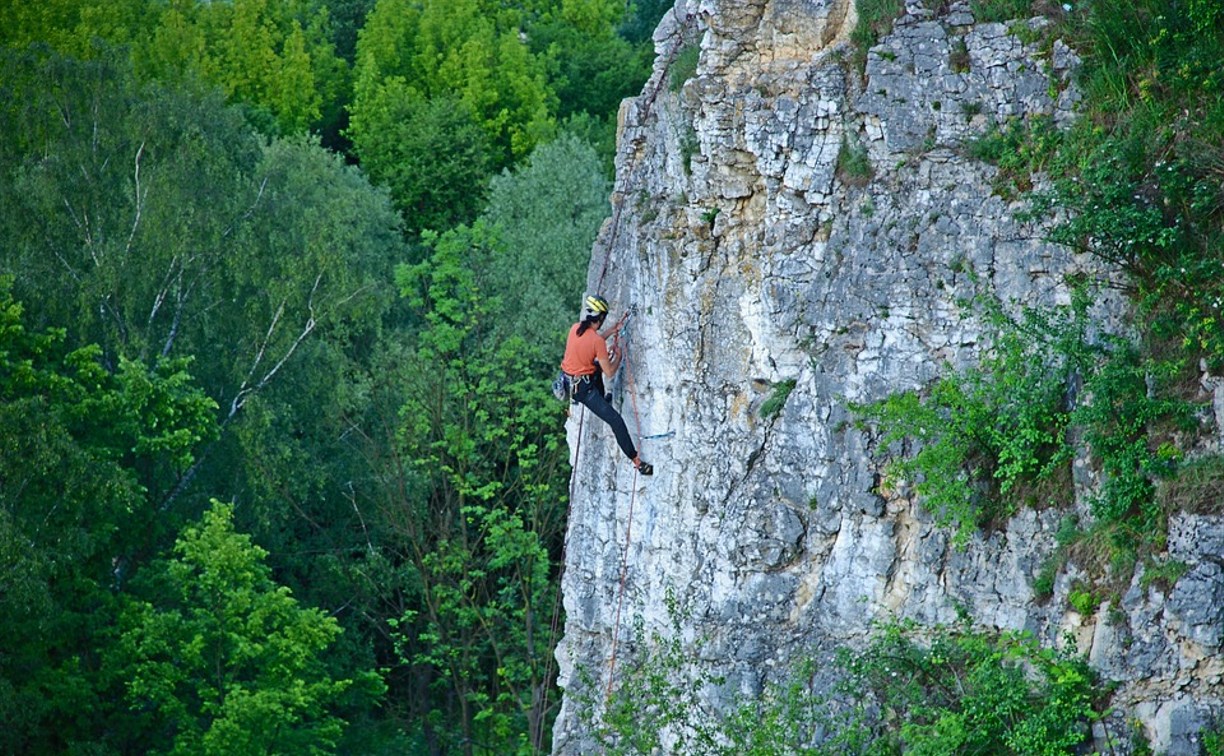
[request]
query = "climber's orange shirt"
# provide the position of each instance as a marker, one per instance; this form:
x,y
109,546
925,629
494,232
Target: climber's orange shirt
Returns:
x,y
582,351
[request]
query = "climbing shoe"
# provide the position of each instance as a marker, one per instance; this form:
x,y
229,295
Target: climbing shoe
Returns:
x,y
645,468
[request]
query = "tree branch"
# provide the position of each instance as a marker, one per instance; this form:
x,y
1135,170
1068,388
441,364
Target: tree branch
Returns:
x,y
139,200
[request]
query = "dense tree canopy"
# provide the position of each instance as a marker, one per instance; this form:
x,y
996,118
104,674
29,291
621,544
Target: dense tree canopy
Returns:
x,y
219,659
81,450
164,236
199,303
547,214
410,50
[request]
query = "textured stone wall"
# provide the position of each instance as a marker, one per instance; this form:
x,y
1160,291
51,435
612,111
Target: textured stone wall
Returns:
x,y
749,260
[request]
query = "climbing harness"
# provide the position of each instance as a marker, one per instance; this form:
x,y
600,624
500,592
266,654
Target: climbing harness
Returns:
x,y
565,386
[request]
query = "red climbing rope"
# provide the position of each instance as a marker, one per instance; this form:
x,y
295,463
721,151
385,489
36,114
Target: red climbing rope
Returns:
x,y
556,612
555,625
620,600
615,229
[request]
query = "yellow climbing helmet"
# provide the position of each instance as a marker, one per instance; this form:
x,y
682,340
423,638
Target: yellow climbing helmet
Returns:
x,y
596,306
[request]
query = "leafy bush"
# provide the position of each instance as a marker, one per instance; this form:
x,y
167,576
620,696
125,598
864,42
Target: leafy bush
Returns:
x,y
990,439
875,19
1162,573
1123,410
654,693
1019,148
1213,740
912,689
957,690
982,432
1140,173
1082,600
777,400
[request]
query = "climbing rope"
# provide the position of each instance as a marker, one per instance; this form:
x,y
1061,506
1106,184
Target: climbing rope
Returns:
x,y
620,599
555,624
672,52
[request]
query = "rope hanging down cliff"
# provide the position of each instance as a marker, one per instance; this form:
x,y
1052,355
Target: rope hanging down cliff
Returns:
x,y
675,45
589,392
620,598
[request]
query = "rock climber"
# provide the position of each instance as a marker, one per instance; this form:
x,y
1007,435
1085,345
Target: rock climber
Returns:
x,y
586,362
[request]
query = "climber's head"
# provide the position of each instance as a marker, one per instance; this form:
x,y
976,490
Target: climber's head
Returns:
x,y
596,309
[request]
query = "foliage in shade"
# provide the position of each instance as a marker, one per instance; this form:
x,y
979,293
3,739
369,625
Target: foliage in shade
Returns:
x,y
547,214
221,296
590,67
431,154
105,213
81,451
483,444
220,659
684,67
957,690
152,221
268,263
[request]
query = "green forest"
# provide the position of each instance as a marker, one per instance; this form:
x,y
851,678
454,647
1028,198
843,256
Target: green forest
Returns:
x,y
282,283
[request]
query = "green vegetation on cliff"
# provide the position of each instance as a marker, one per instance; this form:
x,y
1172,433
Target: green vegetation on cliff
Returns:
x,y
1136,183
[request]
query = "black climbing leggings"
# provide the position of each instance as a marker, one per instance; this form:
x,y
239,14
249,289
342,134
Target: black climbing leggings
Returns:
x,y
590,393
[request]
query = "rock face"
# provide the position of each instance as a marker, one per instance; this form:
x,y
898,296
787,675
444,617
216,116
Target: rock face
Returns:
x,y
789,218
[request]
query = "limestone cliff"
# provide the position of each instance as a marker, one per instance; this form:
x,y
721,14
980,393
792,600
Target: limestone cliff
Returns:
x,y
750,260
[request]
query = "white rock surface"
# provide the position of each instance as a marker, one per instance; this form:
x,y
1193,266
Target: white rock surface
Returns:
x,y
748,261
